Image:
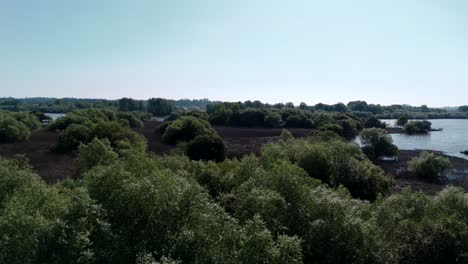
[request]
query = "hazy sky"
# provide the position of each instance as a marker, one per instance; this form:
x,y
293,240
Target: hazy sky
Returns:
x,y
382,51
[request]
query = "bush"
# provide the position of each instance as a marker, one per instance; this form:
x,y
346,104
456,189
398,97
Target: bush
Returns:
x,y
63,122
402,121
173,116
377,143
416,228
36,218
373,122
350,128
120,136
72,137
17,126
298,121
12,130
93,116
28,119
185,129
221,118
206,147
334,162
248,118
331,127
286,135
132,120
273,119
429,166
97,152
418,127
155,209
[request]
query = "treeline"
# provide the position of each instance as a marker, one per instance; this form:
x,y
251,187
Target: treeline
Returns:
x,y
157,106
163,107
314,200
361,109
237,114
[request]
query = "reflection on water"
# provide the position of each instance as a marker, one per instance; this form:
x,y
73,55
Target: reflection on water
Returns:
x,y
451,140
54,115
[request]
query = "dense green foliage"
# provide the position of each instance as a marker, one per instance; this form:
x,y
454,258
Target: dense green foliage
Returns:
x,y
429,166
17,126
135,208
206,147
377,143
463,108
200,140
416,228
334,162
418,127
54,105
402,120
184,129
97,152
314,200
160,107
373,122
236,114
357,108
66,105
91,116
80,127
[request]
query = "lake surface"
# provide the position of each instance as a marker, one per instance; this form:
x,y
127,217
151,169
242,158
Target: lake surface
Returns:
x,y
451,140
54,115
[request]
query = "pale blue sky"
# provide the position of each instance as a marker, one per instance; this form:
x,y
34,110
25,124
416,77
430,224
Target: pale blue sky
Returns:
x,y
382,51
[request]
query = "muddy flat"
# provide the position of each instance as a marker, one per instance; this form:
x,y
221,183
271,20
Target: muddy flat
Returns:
x,y
51,166
240,141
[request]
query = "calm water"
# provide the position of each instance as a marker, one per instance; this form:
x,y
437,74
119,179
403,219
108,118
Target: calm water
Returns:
x,y
54,115
452,140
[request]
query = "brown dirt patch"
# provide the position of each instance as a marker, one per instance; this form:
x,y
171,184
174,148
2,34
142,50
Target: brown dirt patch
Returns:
x,y
398,169
52,167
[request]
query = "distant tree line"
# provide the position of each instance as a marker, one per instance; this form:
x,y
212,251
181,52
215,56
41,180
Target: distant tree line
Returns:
x,y
357,108
65,105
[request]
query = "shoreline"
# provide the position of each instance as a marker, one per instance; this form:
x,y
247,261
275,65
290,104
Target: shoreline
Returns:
x,y
458,174
400,130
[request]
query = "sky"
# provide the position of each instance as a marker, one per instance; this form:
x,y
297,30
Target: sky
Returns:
x,y
382,51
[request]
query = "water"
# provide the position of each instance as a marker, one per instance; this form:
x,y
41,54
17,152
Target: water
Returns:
x,y
451,140
54,116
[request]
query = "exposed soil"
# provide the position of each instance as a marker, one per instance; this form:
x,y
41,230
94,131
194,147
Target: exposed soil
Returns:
x,y
154,141
52,167
240,141
458,174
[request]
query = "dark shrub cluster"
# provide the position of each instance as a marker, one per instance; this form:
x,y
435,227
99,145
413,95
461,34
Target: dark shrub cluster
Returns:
x,y
418,127
80,127
373,122
91,116
377,143
17,126
334,162
429,166
232,115
200,140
